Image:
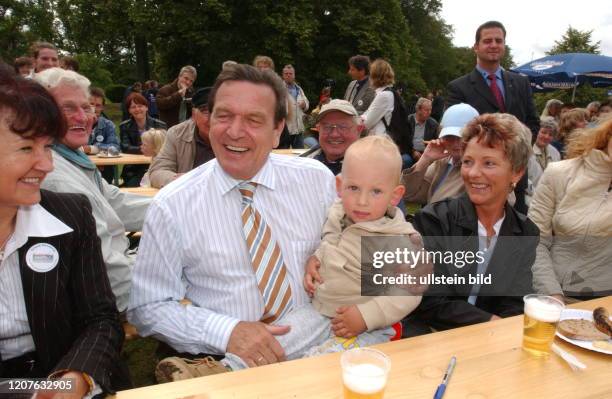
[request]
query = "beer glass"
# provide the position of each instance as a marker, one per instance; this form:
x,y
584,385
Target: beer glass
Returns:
x,y
364,373
542,313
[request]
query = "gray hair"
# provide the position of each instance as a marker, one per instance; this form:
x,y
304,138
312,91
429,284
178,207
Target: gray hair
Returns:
x,y
421,101
55,77
189,69
550,123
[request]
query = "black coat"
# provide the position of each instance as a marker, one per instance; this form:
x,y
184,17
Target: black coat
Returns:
x,y
431,129
71,309
452,225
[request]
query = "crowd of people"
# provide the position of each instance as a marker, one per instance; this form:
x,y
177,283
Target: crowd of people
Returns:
x,y
249,258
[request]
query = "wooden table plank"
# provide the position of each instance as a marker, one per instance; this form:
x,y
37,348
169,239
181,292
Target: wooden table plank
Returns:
x,y
124,159
490,364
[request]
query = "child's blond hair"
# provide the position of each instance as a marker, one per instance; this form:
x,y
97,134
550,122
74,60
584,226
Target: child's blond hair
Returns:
x,y
377,150
155,137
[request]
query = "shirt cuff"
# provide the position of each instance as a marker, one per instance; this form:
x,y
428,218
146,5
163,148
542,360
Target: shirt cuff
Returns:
x,y
221,327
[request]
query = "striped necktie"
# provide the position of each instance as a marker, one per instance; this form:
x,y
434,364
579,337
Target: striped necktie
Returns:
x,y
266,258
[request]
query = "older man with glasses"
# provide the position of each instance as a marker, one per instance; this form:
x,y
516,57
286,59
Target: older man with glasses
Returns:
x,y
339,126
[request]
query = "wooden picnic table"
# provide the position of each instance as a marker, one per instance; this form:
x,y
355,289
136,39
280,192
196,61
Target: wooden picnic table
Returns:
x,y
122,159
146,191
490,364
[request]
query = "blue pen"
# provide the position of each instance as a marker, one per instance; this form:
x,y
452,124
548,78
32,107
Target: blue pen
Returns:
x,y
449,371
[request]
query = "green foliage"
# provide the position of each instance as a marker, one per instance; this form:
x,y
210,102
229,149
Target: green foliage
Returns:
x,y
115,92
91,67
575,41
584,95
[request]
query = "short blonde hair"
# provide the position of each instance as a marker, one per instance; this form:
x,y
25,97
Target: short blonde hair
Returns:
x,y
596,138
263,59
381,148
381,73
155,137
504,130
568,122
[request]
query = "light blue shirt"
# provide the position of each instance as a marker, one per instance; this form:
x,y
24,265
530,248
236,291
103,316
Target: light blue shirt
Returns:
x,y
498,78
193,247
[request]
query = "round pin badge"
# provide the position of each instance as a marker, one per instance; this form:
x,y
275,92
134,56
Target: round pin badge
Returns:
x,y
360,102
42,257
100,138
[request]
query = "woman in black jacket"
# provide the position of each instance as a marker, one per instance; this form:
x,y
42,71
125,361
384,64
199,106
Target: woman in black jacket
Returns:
x,y
131,130
481,222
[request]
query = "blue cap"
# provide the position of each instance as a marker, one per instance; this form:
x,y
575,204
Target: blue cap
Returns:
x,y
455,118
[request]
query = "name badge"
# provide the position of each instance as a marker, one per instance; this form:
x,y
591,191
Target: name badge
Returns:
x,y
42,257
100,138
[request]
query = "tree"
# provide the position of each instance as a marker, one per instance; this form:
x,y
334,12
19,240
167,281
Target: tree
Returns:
x,y
575,41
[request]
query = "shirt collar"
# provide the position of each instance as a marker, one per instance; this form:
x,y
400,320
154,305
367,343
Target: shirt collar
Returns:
x,y
264,177
485,74
482,231
34,221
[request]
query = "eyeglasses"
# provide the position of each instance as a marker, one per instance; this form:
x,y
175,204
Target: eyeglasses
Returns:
x,y
71,109
328,129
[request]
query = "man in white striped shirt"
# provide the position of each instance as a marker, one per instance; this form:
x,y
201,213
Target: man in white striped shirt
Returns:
x,y
193,244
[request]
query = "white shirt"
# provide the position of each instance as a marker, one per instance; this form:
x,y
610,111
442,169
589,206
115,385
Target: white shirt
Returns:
x,y
15,335
381,107
193,247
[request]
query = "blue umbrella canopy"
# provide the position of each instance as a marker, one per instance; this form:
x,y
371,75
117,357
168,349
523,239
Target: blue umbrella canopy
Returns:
x,y
566,71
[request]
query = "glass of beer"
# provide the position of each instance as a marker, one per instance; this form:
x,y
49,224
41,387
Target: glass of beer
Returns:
x,y
364,373
542,313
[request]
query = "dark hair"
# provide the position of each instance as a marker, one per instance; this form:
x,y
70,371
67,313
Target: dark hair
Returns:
x,y
37,46
32,109
248,73
360,62
70,63
22,61
136,98
489,25
97,92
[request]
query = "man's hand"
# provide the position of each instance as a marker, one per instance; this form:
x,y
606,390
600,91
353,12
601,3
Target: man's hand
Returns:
x,y
182,90
435,150
301,104
254,343
79,385
312,275
176,176
560,297
348,322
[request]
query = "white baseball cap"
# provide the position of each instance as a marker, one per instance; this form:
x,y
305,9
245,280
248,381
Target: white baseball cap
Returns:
x,y
455,118
337,105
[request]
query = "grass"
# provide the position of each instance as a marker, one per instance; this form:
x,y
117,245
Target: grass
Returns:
x,y
139,354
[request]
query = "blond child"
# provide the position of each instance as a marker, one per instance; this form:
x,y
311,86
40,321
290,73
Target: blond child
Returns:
x,y
152,143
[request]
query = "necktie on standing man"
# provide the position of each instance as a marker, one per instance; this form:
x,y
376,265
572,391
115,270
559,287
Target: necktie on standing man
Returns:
x,y
496,92
266,258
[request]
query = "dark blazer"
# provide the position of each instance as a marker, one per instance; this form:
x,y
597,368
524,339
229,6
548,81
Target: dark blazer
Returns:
x,y
431,128
130,136
452,225
71,309
473,90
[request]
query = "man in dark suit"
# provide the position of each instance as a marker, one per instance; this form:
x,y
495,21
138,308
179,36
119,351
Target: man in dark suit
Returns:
x,y
421,127
511,92
359,92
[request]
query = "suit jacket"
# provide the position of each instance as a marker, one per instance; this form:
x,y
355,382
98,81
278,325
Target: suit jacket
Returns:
x,y
452,225
473,90
362,100
431,129
71,309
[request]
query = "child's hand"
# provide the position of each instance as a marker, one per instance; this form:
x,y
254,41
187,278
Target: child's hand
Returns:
x,y
348,322
312,275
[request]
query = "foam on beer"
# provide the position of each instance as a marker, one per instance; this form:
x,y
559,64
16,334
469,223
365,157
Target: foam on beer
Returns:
x,y
543,309
365,378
